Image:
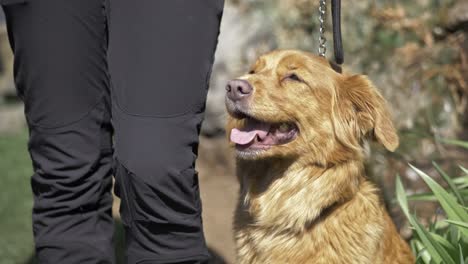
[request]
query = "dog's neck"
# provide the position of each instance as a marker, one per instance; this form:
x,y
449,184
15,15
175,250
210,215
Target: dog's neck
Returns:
x,y
290,195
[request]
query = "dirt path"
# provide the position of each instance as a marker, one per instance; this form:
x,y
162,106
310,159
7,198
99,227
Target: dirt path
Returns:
x,y
219,188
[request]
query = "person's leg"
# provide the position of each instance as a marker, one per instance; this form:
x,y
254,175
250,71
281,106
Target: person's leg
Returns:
x,y
160,59
61,74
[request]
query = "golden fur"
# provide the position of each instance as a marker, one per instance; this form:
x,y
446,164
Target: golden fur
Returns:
x,y
308,201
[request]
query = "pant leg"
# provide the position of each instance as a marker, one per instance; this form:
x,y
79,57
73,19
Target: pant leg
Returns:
x,y
61,74
160,59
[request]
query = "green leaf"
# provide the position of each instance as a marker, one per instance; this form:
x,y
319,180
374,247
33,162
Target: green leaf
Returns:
x,y
428,197
450,183
449,204
412,244
465,170
461,254
401,197
441,225
455,142
453,234
432,224
422,252
458,223
446,244
437,252
461,180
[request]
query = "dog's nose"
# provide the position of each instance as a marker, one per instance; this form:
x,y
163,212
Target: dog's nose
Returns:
x,y
238,89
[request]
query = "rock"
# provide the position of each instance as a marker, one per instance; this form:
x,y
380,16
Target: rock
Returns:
x,y
12,119
243,36
7,86
458,16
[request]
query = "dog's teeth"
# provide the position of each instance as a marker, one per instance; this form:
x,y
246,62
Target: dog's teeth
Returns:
x,y
284,127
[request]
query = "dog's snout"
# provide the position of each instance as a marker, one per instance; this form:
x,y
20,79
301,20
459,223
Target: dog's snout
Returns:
x,y
238,89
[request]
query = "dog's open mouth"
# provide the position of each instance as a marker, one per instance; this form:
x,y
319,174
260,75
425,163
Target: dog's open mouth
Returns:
x,y
259,135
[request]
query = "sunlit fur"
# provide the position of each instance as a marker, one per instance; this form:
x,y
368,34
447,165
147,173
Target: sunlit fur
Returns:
x,y
308,201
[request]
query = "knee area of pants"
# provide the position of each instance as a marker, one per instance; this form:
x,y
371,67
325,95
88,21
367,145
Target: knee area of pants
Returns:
x,y
79,146
69,165
160,198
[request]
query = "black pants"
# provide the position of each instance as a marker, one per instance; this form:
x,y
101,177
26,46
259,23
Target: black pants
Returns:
x,y
114,87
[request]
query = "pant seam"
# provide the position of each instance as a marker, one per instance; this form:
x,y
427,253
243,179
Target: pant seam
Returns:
x,y
165,260
192,110
95,105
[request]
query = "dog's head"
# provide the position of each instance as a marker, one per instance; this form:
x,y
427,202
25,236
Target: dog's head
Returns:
x,y
293,103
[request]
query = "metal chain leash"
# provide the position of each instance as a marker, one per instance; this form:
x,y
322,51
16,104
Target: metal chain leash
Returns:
x,y
322,40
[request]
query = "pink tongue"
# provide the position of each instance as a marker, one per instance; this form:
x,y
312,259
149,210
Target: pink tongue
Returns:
x,y
244,137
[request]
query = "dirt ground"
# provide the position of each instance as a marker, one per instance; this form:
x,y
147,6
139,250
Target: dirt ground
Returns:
x,y
219,187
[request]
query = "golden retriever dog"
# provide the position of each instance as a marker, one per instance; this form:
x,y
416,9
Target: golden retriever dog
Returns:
x,y
298,126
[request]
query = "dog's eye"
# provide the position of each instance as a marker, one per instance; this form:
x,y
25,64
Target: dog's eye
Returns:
x,y
251,71
293,77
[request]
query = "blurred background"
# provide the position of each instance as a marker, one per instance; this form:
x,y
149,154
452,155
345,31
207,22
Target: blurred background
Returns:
x,y
414,51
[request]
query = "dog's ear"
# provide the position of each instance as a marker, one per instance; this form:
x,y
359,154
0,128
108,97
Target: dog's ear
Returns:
x,y
370,110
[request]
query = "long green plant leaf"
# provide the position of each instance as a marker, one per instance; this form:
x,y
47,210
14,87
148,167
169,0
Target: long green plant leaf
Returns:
x,y
459,143
450,183
462,259
437,252
458,223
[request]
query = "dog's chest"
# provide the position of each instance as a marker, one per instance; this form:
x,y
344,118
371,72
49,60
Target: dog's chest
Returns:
x,y
264,246
331,240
